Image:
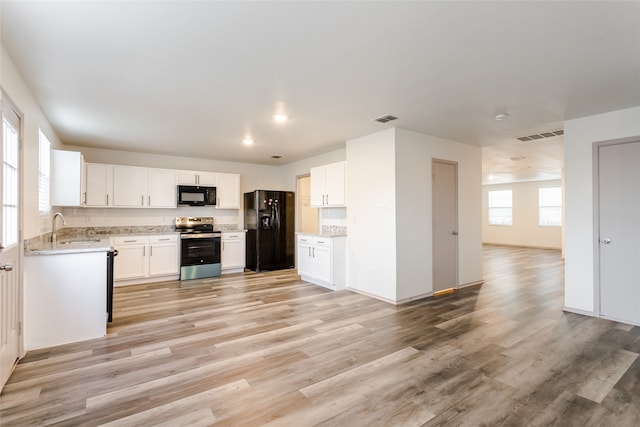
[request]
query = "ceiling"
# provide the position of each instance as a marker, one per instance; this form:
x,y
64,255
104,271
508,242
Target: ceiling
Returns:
x,y
195,78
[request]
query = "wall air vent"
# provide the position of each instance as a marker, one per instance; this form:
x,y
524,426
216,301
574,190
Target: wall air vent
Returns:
x,y
386,118
541,135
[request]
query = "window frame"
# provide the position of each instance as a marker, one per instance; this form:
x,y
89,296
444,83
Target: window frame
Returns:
x,y
500,206
44,174
542,207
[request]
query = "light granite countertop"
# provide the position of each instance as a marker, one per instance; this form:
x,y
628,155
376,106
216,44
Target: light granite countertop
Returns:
x,y
71,246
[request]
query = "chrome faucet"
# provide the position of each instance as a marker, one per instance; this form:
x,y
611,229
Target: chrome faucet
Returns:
x,y
54,237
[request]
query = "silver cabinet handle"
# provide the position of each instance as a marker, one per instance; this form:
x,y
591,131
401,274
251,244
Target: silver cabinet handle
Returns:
x,y
606,241
106,197
309,251
85,198
142,200
149,201
150,250
167,238
6,267
314,252
144,251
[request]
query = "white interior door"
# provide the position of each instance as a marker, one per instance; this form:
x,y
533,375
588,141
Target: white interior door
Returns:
x,y
10,244
619,229
445,225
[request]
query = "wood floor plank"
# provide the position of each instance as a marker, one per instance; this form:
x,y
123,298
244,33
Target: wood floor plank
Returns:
x,y
257,349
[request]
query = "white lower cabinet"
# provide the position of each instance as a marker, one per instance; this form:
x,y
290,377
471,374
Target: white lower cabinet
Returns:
x,y
232,254
321,260
163,255
143,257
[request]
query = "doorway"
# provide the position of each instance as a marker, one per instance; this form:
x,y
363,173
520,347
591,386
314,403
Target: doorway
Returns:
x,y
618,204
445,226
307,216
10,239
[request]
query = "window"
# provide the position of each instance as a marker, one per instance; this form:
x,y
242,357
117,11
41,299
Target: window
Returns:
x,y
10,153
550,206
500,207
44,173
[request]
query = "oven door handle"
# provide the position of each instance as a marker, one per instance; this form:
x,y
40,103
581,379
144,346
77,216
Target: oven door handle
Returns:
x,y
200,235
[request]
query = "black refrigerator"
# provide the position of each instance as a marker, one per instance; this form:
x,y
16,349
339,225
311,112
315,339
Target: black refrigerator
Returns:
x,y
269,217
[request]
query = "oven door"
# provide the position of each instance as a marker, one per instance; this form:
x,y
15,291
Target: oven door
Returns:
x,y
200,255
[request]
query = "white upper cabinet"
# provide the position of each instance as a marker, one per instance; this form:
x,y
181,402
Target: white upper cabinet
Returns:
x,y
161,188
67,178
228,191
98,185
135,187
129,186
328,187
197,178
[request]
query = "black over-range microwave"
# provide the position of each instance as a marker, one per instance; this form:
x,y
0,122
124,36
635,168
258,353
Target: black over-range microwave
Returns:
x,y
196,195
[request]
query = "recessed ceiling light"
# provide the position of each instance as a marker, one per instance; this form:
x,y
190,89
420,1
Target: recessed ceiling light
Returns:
x,y
280,118
247,141
501,116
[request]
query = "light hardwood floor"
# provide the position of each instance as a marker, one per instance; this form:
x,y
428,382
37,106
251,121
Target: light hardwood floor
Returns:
x,y
269,349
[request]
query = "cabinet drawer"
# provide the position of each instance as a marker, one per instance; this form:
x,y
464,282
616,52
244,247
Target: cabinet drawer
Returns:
x,y
305,239
232,236
163,239
322,241
129,240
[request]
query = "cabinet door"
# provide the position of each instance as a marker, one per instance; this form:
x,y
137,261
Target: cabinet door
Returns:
x,y
66,178
322,263
99,185
335,184
228,191
131,262
305,257
161,188
317,186
232,255
207,179
129,186
163,259
187,177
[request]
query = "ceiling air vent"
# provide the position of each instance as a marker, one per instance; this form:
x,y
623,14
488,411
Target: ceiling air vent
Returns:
x,y
541,135
386,118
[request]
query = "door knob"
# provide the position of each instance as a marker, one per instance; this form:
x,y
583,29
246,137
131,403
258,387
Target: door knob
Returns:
x,y
455,233
6,267
606,241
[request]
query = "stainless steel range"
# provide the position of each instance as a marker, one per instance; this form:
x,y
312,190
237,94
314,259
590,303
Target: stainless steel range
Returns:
x,y
199,248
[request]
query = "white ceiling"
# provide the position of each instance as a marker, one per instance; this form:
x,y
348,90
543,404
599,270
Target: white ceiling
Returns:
x,y
195,78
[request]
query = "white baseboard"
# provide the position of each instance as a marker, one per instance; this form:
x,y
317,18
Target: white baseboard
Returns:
x,y
578,311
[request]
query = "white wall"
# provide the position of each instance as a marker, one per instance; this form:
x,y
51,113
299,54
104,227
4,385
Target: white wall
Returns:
x,y
33,119
371,241
414,155
580,231
389,213
525,230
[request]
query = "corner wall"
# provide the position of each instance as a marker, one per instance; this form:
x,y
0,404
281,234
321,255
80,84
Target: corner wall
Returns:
x,y
371,240
414,155
389,250
581,234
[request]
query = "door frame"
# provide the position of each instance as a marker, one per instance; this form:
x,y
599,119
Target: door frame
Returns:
x,y
596,214
4,97
457,225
